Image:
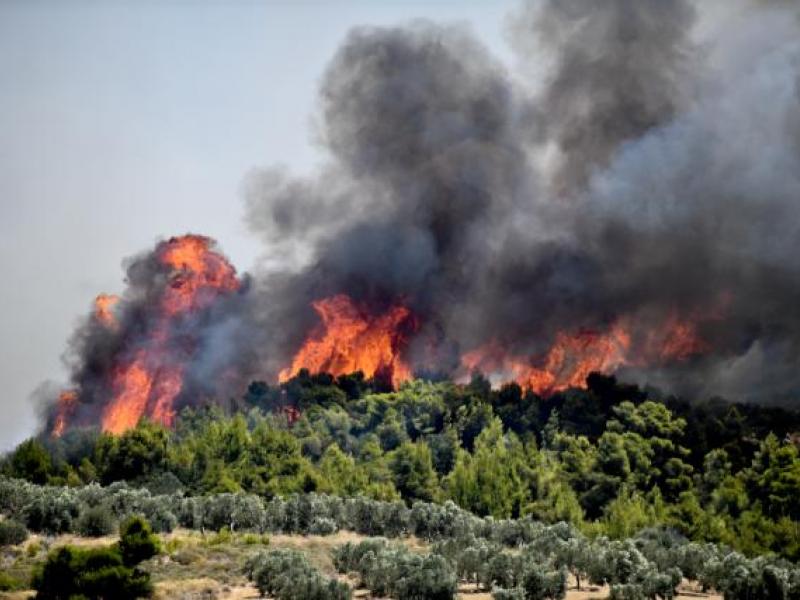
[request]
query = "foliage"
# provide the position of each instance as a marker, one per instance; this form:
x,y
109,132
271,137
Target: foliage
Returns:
x,y
610,459
95,521
109,572
12,532
287,575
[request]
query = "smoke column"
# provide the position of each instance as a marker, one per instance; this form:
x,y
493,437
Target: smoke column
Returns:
x,y
624,199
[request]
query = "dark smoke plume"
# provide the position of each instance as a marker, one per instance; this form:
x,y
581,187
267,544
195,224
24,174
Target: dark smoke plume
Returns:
x,y
649,171
654,169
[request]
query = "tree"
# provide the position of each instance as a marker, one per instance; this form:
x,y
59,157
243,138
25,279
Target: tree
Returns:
x,y
412,467
135,454
341,474
492,480
30,461
109,572
95,521
136,541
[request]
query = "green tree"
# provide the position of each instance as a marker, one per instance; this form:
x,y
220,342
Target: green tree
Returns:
x,y
341,474
492,480
136,453
30,461
412,468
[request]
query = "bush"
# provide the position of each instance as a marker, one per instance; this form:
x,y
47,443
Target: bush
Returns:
x,y
287,575
322,526
109,572
12,533
540,585
395,571
94,573
137,542
96,521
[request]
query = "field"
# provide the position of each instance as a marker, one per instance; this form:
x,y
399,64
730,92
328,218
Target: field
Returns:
x,y
197,566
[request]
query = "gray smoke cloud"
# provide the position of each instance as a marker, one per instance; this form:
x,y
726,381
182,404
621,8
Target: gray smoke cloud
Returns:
x,y
652,170
641,164
620,68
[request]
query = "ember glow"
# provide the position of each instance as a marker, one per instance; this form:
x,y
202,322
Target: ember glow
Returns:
x,y
351,339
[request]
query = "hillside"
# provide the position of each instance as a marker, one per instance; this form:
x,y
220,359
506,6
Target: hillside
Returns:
x,y
674,490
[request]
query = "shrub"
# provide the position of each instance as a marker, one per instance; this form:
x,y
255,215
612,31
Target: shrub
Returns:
x,y
287,575
540,585
431,579
96,521
12,532
322,526
137,542
94,573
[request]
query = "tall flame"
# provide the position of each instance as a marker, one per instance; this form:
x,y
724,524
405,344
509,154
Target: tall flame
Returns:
x,y
351,339
148,383
64,409
147,372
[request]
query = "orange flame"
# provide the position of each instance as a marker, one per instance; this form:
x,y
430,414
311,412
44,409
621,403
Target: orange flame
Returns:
x,y
199,275
148,384
132,385
64,409
566,364
350,339
572,357
104,310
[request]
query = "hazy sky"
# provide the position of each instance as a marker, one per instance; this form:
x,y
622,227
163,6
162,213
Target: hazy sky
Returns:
x,y
124,122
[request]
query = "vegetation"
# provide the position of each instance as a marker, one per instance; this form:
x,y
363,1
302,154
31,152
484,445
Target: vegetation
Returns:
x,y
287,575
109,572
645,489
12,532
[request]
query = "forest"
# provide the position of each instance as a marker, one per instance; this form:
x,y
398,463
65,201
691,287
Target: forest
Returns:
x,y
515,492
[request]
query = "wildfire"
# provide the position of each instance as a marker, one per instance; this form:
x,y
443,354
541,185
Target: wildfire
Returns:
x,y
153,341
566,364
104,309
148,369
64,409
351,339
572,357
149,383
198,275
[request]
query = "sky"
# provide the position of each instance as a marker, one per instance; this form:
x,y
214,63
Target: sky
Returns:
x,y
122,123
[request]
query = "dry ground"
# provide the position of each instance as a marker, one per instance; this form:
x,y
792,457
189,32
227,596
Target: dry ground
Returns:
x,y
209,567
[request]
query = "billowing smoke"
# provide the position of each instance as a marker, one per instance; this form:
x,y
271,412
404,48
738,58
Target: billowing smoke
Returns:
x,y
626,198
650,174
171,339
